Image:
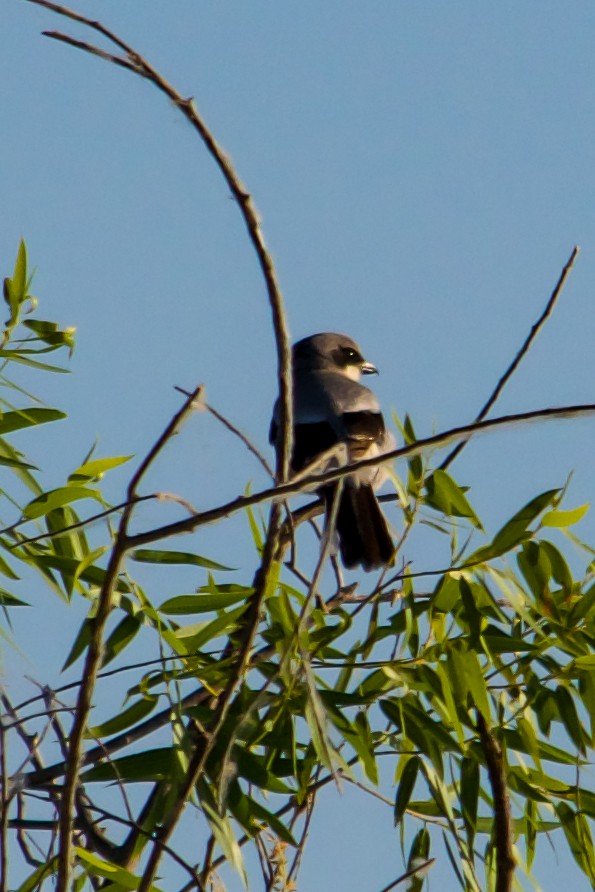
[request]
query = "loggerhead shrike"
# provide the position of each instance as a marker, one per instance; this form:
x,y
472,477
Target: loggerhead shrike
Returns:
x,y
332,409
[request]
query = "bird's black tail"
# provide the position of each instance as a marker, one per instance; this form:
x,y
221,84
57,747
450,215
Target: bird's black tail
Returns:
x,y
363,533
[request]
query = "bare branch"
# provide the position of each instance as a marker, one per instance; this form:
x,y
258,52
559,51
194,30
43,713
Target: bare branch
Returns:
x,y
4,803
133,61
549,307
236,431
505,863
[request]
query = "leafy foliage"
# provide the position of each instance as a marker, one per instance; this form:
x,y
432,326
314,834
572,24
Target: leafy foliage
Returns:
x,y
334,682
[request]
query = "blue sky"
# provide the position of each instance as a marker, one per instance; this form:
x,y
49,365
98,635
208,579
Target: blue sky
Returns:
x,y
422,171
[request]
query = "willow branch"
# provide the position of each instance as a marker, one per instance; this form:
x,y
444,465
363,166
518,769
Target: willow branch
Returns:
x,y
492,752
95,653
135,62
549,307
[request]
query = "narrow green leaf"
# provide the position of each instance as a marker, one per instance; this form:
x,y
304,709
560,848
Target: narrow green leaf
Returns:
x,y
57,498
34,881
130,716
406,786
21,357
445,495
223,833
96,468
562,519
150,765
419,854
578,838
476,683
120,638
570,719
198,603
516,530
9,600
162,556
469,797
7,570
80,644
190,639
13,421
107,869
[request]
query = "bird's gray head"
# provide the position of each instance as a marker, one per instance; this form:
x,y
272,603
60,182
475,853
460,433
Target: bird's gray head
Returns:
x,y
332,351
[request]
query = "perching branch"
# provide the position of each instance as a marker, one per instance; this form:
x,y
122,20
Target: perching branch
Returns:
x,y
535,328
316,480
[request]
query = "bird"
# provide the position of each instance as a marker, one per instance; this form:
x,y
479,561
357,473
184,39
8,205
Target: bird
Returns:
x,y
332,410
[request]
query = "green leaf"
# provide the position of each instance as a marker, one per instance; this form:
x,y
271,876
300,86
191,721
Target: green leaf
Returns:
x,y
120,638
8,600
10,457
13,421
150,765
198,603
579,839
34,881
156,556
21,357
80,644
585,662
418,854
536,568
406,786
570,719
476,683
57,498
190,639
415,463
445,495
516,530
448,695
6,569
110,871
562,519
130,716
96,468
51,334
469,797
15,289
254,817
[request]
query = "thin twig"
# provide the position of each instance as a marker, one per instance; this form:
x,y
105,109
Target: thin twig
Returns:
x,y
505,863
4,802
549,307
236,432
295,865
73,526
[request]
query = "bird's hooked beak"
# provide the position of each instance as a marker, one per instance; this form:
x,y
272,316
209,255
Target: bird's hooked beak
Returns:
x,y
367,368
